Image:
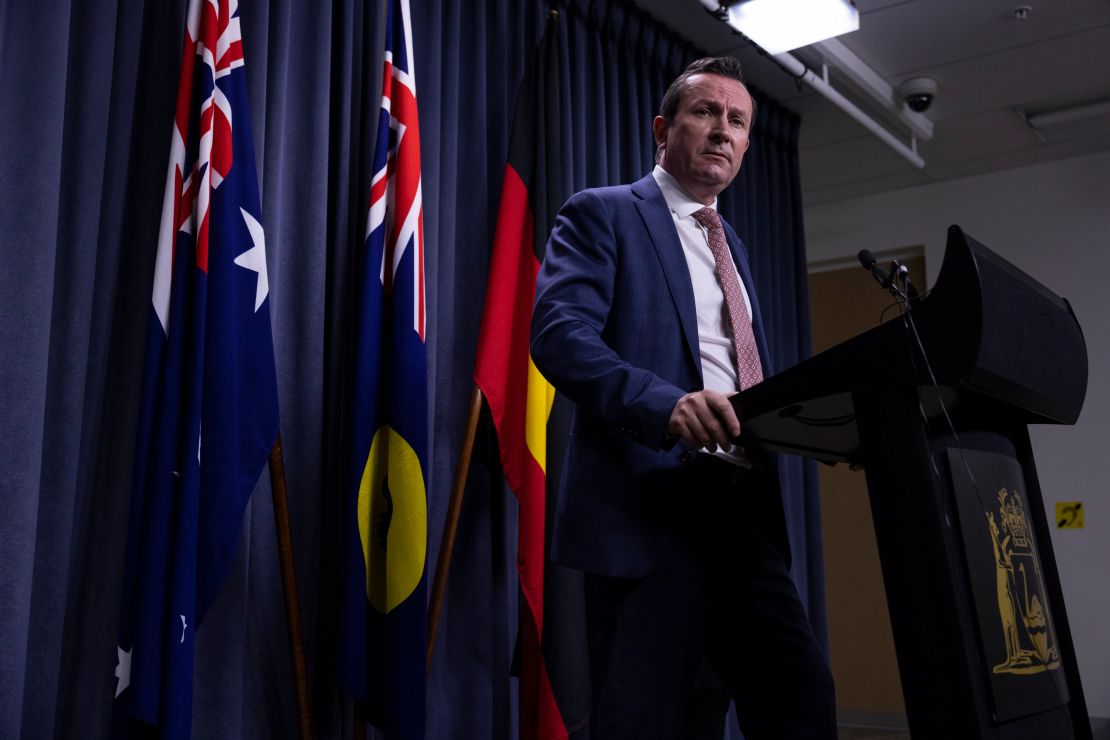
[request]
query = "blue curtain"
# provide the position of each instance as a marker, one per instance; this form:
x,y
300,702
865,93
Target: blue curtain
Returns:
x,y
88,92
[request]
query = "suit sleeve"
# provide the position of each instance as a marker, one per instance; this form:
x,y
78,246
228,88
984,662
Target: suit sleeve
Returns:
x,y
574,294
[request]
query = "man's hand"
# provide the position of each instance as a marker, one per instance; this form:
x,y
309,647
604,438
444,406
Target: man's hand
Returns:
x,y
704,419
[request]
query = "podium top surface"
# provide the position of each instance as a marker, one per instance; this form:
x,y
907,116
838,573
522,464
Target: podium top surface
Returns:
x,y
996,341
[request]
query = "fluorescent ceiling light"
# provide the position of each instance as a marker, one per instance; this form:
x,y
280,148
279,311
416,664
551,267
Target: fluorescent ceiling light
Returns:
x,y
1069,115
781,25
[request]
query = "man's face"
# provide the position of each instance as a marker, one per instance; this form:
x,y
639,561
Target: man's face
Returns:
x,y
705,143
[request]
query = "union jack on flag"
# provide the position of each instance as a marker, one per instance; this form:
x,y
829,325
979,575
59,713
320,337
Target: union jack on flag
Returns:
x,y
208,413
385,509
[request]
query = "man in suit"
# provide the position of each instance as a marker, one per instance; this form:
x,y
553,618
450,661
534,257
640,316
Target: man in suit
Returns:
x,y
646,318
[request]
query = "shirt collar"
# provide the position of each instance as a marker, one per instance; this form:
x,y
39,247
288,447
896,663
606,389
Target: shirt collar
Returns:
x,y
678,200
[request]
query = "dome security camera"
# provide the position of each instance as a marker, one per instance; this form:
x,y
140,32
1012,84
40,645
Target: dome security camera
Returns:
x,y
919,93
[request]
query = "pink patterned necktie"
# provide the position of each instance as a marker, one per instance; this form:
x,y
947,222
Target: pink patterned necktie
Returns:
x,y
748,368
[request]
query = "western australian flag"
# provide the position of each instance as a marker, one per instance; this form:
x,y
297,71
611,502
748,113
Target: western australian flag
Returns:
x,y
385,506
208,415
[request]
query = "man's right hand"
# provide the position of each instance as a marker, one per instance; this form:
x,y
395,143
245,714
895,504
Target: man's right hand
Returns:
x,y
704,419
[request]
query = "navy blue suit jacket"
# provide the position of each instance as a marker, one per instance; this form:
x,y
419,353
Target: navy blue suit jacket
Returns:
x,y
615,330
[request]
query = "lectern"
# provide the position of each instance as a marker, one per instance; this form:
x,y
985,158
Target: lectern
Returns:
x,y
935,406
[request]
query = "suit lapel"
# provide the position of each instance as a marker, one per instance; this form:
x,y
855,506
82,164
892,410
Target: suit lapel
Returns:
x,y
664,236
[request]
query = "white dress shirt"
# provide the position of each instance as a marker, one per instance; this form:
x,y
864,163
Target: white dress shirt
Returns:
x,y
718,354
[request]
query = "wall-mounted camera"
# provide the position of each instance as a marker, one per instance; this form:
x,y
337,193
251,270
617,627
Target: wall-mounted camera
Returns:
x,y
919,93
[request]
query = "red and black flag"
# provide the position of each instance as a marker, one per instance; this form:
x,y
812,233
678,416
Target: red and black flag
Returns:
x,y
520,399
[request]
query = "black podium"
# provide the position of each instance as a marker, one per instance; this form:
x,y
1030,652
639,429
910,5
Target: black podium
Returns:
x,y
935,406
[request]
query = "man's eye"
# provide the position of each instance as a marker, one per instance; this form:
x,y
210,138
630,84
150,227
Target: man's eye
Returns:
x,y
737,122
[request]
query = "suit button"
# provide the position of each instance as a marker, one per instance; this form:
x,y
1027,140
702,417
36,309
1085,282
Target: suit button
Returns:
x,y
686,457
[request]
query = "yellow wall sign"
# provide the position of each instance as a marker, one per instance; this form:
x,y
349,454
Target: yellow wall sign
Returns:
x,y
1069,515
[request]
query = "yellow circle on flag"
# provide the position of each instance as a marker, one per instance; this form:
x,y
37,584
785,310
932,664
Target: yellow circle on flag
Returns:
x,y
392,520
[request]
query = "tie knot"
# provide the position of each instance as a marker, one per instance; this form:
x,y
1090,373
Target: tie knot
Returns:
x,y
708,218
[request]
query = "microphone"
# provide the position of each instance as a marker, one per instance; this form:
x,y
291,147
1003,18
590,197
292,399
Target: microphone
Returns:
x,y
869,262
898,273
909,292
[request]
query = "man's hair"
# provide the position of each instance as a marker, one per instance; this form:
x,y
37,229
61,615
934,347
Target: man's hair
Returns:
x,y
723,66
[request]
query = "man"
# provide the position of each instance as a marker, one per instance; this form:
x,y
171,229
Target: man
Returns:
x,y
682,539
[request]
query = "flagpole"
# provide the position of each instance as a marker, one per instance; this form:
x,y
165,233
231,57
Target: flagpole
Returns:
x,y
451,526
358,721
289,588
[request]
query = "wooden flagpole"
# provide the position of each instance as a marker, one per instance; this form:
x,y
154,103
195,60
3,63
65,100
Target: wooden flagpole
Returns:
x,y
451,526
289,588
358,730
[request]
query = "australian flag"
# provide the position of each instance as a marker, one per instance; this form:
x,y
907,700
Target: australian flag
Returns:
x,y
385,506
208,415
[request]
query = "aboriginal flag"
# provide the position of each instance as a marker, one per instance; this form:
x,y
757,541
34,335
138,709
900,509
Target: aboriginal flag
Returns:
x,y
521,401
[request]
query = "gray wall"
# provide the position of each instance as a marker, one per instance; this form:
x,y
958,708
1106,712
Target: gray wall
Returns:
x,y
1052,221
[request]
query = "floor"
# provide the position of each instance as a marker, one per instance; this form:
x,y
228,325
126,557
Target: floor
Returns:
x,y
1100,727
872,733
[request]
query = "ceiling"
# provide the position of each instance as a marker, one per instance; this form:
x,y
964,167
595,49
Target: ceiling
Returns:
x,y
992,70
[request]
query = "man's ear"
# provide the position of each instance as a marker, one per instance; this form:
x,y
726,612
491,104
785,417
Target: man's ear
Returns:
x,y
659,128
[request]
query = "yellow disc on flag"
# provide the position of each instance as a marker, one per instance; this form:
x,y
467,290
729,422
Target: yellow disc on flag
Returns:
x,y
392,520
